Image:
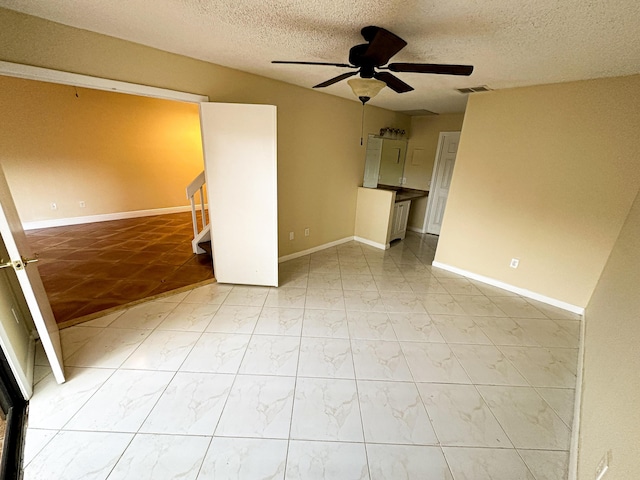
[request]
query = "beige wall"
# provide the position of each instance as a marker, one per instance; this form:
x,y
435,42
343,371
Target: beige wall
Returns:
x,y
320,160
373,214
421,155
417,213
115,152
610,417
546,174
423,144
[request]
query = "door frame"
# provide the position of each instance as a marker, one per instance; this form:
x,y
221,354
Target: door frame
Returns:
x,y
434,173
16,407
30,72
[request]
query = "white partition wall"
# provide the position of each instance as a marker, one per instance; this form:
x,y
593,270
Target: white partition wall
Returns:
x,y
240,155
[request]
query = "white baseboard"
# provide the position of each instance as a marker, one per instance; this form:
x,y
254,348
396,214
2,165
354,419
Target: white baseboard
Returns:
x,y
105,217
371,243
510,288
309,251
416,229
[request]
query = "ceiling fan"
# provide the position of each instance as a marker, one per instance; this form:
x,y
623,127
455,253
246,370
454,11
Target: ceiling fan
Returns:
x,y
370,57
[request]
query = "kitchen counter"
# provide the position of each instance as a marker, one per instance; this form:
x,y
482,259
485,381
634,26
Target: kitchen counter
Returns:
x,y
403,194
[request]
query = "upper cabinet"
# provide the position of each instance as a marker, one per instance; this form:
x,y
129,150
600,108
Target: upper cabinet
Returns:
x,y
384,162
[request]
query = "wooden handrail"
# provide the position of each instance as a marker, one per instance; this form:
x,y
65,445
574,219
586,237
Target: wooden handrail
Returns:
x,y
196,185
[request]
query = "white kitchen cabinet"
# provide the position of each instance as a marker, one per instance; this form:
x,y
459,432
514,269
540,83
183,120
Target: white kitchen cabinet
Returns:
x,y
400,217
384,162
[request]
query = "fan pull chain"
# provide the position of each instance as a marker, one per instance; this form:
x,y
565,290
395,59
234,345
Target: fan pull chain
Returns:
x,y
362,126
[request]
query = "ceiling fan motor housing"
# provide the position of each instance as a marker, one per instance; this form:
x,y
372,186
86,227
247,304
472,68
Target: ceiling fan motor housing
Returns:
x,y
356,58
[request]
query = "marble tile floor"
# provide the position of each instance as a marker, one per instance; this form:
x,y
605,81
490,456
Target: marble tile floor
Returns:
x,y
364,364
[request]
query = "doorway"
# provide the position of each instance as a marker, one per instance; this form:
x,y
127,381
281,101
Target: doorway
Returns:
x,y
92,153
253,244
13,409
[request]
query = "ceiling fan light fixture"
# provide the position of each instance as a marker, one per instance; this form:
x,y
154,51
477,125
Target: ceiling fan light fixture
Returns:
x,y
366,88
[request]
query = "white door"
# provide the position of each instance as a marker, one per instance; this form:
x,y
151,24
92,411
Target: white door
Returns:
x,y
28,279
240,158
16,339
441,180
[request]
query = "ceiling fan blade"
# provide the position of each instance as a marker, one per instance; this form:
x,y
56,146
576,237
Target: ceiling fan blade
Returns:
x,y
335,79
393,82
431,68
382,45
344,65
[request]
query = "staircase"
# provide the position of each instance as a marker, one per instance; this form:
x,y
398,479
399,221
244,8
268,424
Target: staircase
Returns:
x,y
201,242
206,246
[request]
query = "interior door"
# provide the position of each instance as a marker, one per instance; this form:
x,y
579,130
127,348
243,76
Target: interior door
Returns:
x,y
15,330
31,290
240,156
441,180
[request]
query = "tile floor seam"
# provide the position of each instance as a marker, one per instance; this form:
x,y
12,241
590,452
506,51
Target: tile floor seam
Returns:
x,y
562,366
570,427
475,387
43,446
235,376
62,428
502,428
501,425
474,384
415,384
293,402
493,344
355,381
115,463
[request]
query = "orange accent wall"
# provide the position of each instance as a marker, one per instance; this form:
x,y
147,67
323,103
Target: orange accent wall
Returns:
x,y
114,152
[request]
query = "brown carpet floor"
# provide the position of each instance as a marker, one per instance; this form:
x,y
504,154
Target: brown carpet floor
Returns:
x,y
95,266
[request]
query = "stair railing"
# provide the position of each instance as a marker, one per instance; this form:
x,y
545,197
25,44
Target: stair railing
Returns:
x,y
197,185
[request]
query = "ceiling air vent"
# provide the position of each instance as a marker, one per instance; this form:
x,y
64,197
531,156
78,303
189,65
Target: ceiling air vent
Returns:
x,y
417,113
481,88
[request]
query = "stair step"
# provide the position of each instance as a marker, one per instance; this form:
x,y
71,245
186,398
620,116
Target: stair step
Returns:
x,y
206,246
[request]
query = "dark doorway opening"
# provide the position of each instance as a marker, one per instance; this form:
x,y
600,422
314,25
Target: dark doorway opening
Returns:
x,y
13,411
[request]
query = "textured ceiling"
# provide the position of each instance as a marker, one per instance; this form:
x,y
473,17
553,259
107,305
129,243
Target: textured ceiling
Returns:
x,y
510,42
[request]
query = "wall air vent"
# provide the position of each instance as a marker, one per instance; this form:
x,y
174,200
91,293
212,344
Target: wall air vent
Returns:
x,y
481,88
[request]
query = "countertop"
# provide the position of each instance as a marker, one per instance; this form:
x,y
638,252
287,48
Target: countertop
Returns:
x,y
403,194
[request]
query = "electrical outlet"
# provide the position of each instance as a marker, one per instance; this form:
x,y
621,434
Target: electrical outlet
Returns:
x,y
82,204
54,206
291,235
306,232
603,466
514,262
